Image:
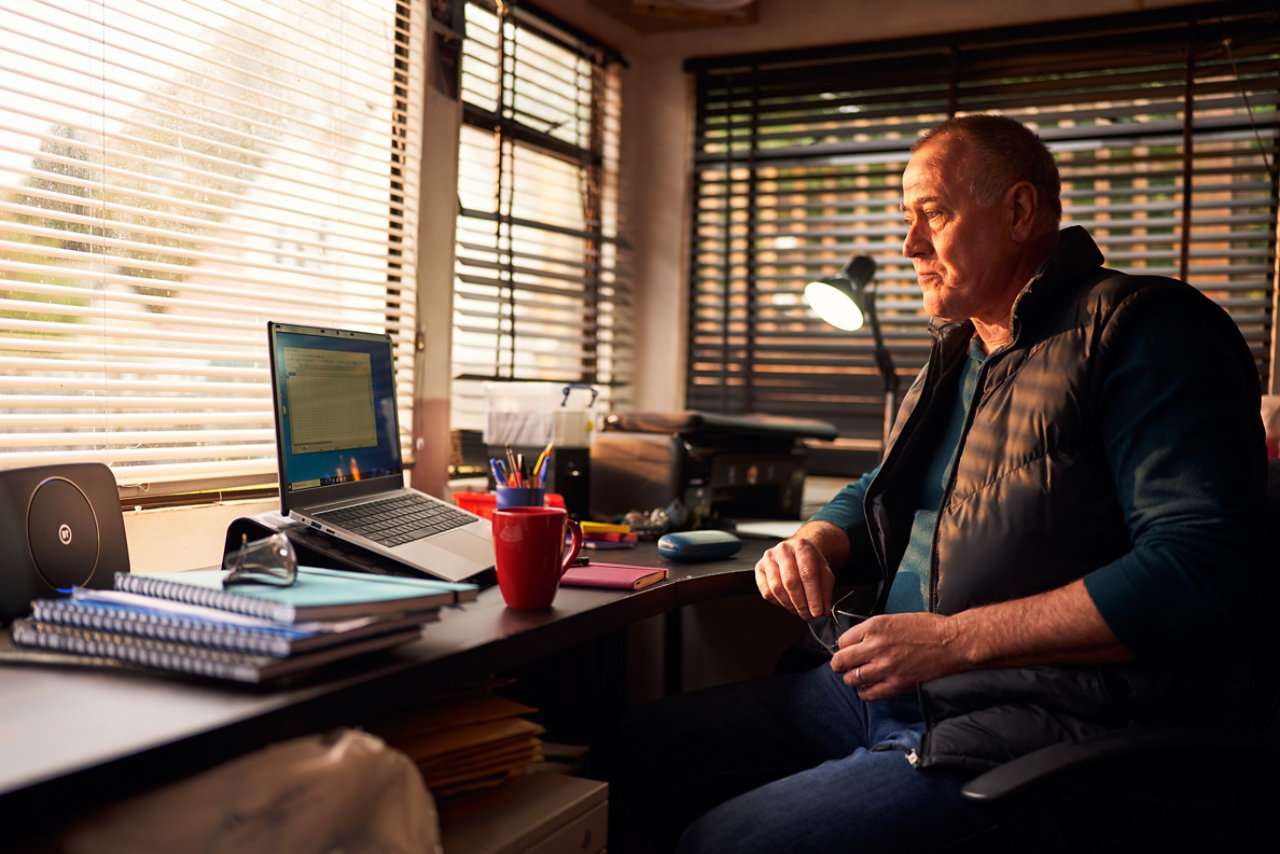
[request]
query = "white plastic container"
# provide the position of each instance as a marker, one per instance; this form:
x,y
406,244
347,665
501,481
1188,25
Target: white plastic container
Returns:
x,y
535,413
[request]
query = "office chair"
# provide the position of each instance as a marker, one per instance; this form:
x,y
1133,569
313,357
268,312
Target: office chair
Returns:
x,y
1148,789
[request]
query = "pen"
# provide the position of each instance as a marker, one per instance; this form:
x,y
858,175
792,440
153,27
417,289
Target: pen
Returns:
x,y
511,468
499,479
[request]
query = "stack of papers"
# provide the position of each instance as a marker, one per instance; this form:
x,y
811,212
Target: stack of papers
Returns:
x,y
468,744
769,529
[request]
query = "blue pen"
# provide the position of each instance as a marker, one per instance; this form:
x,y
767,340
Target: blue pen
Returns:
x,y
499,479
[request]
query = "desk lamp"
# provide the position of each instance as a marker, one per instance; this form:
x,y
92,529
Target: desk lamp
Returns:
x,y
845,301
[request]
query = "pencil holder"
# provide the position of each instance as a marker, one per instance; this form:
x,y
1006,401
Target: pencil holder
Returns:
x,y
520,496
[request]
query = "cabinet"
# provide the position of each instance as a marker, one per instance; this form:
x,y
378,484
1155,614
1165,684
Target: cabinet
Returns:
x,y
540,813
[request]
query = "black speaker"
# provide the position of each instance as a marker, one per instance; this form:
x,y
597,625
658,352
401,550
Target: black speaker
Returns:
x,y
62,527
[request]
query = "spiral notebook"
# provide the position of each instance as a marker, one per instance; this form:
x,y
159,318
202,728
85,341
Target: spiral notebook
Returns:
x,y
113,648
144,616
318,594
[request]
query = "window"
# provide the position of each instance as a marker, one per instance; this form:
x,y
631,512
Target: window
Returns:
x,y
173,176
542,289
1164,126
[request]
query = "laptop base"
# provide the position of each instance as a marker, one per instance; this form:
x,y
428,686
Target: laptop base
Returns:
x,y
316,548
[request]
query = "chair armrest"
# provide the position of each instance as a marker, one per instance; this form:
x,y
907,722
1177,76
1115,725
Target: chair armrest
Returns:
x,y
1046,762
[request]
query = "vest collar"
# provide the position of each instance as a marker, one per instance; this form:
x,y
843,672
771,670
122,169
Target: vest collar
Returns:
x,y
1072,261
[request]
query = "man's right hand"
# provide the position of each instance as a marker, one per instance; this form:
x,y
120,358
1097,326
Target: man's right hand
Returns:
x,y
796,574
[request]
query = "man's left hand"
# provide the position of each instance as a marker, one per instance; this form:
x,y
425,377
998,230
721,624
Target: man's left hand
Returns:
x,y
891,653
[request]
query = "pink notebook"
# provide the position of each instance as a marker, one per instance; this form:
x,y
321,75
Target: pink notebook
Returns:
x,y
615,575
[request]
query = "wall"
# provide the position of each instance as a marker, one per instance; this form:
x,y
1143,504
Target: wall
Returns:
x,y
173,539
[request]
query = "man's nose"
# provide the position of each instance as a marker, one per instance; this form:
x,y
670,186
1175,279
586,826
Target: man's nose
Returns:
x,y
914,245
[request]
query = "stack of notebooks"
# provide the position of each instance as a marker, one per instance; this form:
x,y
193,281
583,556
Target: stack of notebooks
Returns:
x,y
187,622
607,535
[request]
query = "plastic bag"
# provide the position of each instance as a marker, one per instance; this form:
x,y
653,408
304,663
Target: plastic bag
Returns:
x,y
345,791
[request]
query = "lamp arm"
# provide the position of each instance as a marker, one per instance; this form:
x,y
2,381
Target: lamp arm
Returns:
x,y
884,362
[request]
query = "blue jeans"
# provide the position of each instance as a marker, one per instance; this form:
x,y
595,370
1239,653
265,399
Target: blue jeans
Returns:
x,y
789,763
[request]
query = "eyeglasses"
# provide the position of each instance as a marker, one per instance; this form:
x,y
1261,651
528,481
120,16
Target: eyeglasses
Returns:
x,y
827,631
267,561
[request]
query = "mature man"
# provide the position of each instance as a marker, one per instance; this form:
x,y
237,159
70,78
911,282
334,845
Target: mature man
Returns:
x,y
1061,527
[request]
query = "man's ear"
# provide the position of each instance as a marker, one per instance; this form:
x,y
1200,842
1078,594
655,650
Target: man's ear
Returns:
x,y
1022,202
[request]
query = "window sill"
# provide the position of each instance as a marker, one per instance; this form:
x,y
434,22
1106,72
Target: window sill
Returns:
x,y
177,538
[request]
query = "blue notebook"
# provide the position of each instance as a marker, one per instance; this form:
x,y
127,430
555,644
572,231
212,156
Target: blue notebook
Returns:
x,y
164,619
92,647
318,594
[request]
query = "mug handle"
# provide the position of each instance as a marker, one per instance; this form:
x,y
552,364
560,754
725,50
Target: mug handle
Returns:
x,y
576,546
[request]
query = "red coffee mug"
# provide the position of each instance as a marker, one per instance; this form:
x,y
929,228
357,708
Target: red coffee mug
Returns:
x,y
529,553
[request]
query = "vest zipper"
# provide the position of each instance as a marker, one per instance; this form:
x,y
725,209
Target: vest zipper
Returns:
x,y
979,383
927,393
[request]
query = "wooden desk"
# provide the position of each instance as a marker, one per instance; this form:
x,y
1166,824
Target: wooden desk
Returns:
x,y
73,740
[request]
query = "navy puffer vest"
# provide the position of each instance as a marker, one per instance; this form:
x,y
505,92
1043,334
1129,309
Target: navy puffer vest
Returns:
x,y
1031,506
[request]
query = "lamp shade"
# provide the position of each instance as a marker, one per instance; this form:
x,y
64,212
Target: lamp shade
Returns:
x,y
845,302
833,301
841,299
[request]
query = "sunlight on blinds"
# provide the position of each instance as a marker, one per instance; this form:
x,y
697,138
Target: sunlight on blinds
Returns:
x,y
1167,142
541,291
173,176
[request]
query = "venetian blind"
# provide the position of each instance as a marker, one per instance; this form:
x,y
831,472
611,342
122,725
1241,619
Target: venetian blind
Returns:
x,y
1164,127
542,290
173,176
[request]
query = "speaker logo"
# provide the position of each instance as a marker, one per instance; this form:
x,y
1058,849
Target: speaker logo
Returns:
x,y
64,534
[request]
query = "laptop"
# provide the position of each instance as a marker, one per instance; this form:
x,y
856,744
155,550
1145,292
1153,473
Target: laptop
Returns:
x,y
338,454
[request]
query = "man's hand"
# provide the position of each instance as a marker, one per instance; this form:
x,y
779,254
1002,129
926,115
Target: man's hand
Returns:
x,y
795,575
891,653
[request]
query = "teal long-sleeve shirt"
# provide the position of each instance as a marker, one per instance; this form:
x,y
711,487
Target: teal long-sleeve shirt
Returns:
x,y
1174,419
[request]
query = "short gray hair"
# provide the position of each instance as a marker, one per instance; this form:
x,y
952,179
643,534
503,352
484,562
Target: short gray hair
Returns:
x,y
1004,152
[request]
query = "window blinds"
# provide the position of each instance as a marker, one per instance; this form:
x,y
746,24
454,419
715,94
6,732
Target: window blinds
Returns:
x,y
542,289
1164,127
172,176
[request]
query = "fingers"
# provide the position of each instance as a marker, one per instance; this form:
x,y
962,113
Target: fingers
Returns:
x,y
795,575
890,654
870,680
771,569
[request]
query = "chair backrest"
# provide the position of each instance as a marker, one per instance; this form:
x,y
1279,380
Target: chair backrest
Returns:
x,y
1273,501
1267,654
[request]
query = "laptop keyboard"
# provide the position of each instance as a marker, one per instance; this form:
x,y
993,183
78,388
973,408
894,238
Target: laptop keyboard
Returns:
x,y
393,521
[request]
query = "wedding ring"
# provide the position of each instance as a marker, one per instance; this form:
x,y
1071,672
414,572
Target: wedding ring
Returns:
x,y
857,675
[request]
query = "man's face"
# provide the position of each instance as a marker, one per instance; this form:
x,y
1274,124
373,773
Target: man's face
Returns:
x,y
961,250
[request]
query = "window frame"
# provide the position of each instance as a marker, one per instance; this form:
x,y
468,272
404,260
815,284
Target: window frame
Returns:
x,y
547,298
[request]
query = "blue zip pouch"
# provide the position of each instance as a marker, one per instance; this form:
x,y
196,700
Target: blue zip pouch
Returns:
x,y
691,546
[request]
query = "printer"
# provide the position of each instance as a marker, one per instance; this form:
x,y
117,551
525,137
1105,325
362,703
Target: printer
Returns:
x,y
713,469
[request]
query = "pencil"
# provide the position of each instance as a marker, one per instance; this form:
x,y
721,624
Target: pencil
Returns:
x,y
538,474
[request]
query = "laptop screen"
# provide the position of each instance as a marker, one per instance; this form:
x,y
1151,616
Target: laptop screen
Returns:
x,y
335,408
